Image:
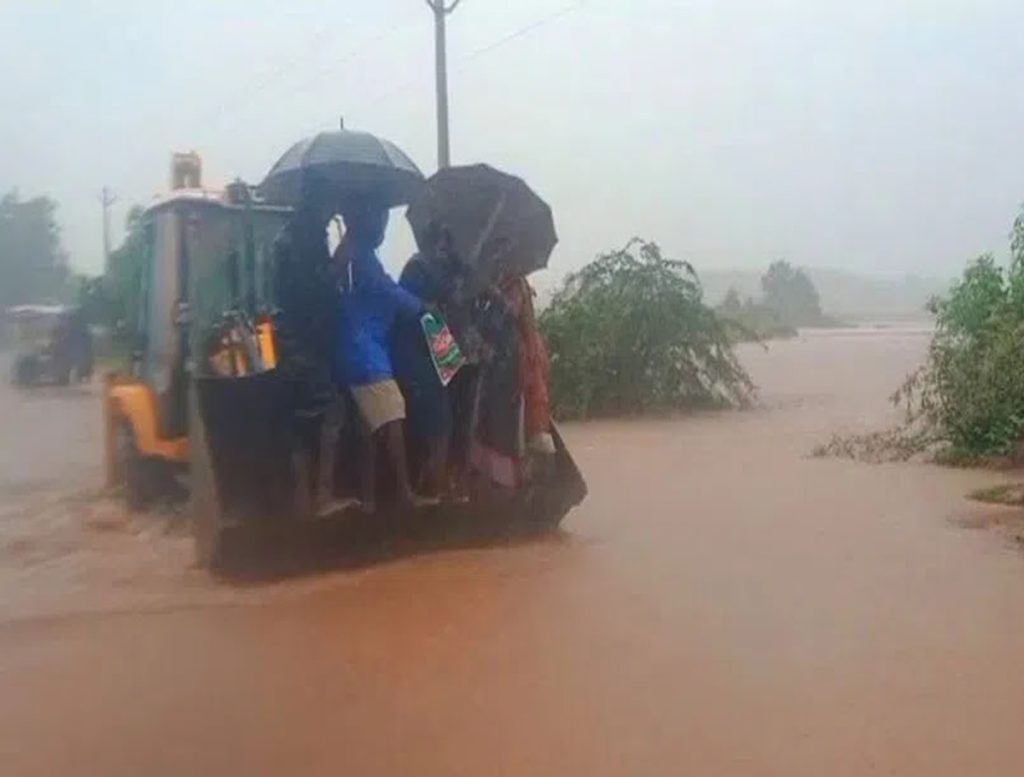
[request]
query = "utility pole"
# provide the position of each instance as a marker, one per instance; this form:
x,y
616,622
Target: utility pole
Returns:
x,y
107,199
441,9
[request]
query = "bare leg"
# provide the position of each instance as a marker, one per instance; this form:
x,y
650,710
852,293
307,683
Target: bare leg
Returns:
x,y
367,472
301,466
394,440
437,466
333,418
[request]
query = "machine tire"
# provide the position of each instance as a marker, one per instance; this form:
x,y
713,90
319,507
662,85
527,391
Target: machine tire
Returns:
x,y
210,544
210,537
138,474
60,370
24,372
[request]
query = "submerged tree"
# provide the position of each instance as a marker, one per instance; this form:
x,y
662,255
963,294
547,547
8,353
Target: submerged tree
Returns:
x,y
970,392
630,333
966,403
790,291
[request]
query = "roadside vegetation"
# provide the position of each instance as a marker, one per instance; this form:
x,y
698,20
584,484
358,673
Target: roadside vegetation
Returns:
x,y
33,264
35,270
789,300
965,405
630,333
113,300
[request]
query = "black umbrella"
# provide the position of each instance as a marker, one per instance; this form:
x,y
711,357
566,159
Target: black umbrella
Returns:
x,y
355,164
497,224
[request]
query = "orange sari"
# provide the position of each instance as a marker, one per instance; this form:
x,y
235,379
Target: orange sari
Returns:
x,y
534,366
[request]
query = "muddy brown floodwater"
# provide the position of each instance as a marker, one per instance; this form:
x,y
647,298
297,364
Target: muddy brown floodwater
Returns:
x,y
721,604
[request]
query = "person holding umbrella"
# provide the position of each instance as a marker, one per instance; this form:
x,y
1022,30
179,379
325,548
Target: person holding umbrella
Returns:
x,y
500,230
366,175
431,420
305,334
362,358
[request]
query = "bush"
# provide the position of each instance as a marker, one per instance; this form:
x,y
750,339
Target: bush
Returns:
x,y
966,404
629,333
971,389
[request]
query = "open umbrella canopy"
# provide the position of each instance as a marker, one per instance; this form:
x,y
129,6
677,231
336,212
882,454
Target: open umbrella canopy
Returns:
x,y
496,224
352,164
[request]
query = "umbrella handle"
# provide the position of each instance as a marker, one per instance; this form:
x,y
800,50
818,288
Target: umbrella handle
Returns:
x,y
492,218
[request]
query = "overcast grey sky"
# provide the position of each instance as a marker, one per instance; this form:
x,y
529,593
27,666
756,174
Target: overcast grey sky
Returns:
x,y
883,136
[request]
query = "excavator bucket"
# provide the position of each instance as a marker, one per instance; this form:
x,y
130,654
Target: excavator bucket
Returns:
x,y
567,486
245,477
241,450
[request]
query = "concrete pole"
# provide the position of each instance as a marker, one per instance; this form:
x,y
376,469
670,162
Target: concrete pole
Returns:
x,y
106,200
441,10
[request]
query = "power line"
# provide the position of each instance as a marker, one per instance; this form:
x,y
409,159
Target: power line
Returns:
x,y
241,97
524,31
356,54
268,78
489,47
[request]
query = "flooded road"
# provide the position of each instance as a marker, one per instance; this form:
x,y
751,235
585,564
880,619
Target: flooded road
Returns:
x,y
721,604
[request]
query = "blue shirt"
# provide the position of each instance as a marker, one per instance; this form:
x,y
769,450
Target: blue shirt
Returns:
x,y
365,317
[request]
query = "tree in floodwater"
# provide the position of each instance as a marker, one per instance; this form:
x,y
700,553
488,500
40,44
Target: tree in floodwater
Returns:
x,y
790,292
33,266
966,403
630,333
970,392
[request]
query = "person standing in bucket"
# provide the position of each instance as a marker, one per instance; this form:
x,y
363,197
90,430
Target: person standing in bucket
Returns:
x,y
434,280
362,360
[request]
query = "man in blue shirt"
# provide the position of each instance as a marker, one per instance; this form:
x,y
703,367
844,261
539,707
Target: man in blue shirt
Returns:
x,y
362,357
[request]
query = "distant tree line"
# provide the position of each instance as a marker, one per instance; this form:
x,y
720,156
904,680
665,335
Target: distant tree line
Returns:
x,y
33,265
789,300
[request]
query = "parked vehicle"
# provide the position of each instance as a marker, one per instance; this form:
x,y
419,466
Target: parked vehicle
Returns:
x,y
53,345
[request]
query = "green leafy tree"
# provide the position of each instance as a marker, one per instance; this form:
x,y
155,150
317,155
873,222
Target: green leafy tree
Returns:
x,y
790,291
731,304
629,333
120,297
966,403
33,266
970,393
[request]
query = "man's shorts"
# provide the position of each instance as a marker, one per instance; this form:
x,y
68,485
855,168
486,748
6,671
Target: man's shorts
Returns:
x,y
379,403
